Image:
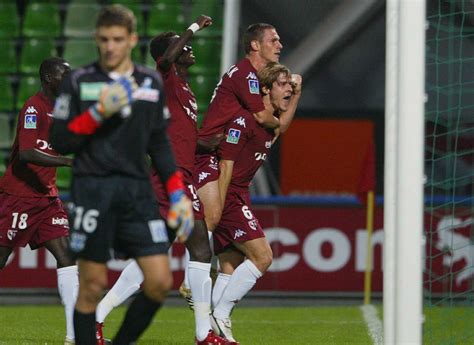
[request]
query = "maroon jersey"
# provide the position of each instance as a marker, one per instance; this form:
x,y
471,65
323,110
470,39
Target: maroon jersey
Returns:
x,y
248,145
237,89
182,127
32,132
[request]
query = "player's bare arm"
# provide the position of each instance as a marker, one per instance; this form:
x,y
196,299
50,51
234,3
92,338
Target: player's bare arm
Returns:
x,y
265,117
287,116
35,156
175,49
226,168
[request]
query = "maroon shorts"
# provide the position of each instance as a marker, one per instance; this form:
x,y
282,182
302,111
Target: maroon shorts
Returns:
x,y
32,221
238,223
206,169
163,200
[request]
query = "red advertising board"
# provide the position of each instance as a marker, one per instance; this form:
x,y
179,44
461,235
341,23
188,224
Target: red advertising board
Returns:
x,y
316,249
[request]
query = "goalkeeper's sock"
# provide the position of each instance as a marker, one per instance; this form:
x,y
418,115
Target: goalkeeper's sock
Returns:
x,y
219,287
241,282
138,317
84,328
125,286
68,286
201,285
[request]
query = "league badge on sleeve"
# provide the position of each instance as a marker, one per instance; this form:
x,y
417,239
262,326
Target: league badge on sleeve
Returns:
x,y
233,136
254,87
30,118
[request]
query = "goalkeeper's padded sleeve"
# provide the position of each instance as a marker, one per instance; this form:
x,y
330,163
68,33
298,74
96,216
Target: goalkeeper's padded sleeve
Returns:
x,y
84,124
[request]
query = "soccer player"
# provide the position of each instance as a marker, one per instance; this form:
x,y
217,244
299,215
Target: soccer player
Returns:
x,y
30,209
238,88
110,114
173,58
239,241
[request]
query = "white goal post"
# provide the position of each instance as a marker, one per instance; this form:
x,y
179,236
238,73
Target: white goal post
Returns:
x,y
403,187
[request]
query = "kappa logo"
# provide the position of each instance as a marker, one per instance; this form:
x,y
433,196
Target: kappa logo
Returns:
x,y
60,221
203,175
251,76
31,110
11,233
239,233
460,247
233,136
240,121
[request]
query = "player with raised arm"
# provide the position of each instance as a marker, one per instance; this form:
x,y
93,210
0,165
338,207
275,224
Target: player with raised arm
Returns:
x,y
238,88
30,209
173,58
110,114
239,241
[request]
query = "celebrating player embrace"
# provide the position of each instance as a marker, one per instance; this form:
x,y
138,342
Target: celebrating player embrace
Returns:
x,y
239,241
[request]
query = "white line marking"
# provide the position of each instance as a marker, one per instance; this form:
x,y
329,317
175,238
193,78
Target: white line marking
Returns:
x,y
374,325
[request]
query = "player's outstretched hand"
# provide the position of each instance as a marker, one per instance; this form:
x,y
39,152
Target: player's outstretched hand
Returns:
x,y
180,215
296,83
203,21
115,96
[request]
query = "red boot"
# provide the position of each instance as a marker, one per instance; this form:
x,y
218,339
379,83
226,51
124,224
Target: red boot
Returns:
x,y
212,339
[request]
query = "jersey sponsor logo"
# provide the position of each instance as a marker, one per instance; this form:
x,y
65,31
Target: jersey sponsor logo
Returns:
x,y
253,224
61,107
260,156
254,87
11,233
232,70
43,144
60,221
91,91
268,144
233,136
146,94
202,176
30,121
239,233
240,121
158,231
251,76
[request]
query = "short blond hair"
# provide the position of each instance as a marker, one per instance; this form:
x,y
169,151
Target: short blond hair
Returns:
x,y
270,73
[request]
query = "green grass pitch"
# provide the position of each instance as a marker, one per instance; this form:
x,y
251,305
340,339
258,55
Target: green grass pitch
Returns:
x,y
175,325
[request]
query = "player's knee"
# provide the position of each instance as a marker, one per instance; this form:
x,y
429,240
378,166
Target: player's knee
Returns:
x,y
264,260
213,218
158,287
65,260
91,290
201,252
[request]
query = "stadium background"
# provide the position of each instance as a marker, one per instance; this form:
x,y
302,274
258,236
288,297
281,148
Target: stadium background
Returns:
x,y
306,195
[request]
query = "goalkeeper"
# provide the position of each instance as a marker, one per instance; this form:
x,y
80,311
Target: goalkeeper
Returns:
x,y
111,124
